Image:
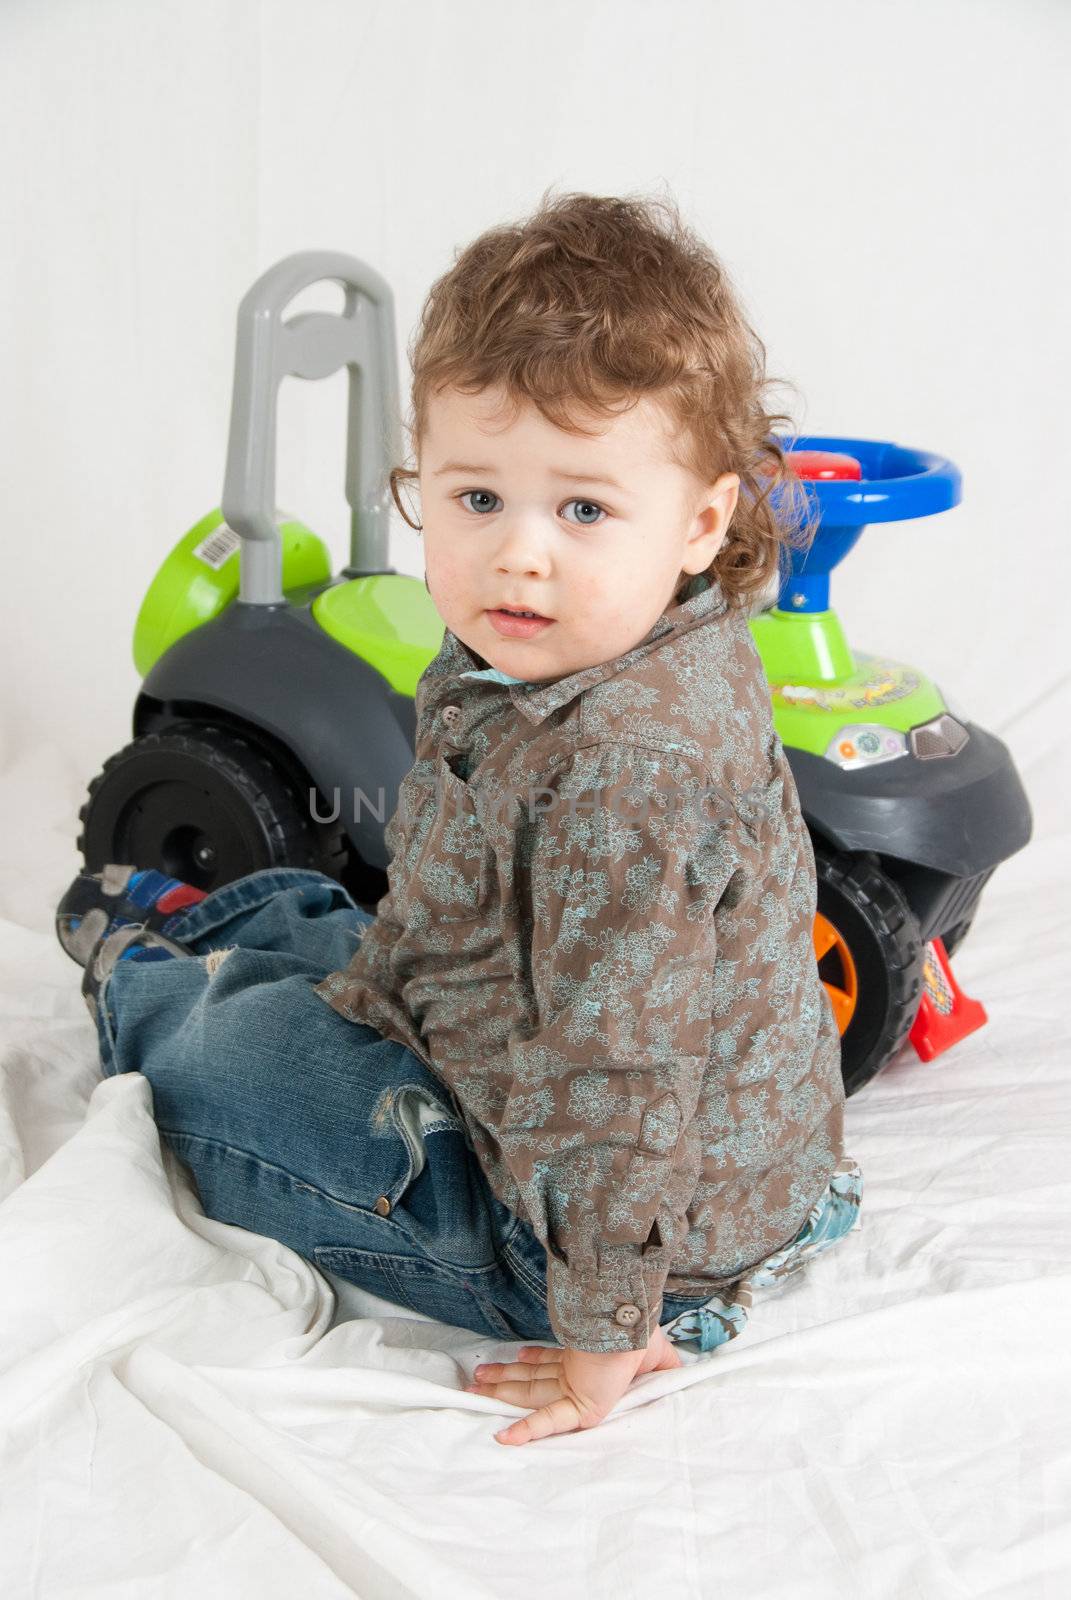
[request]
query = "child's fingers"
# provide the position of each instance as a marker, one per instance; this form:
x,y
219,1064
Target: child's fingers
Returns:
x,y
561,1416
527,1391
528,1357
534,1379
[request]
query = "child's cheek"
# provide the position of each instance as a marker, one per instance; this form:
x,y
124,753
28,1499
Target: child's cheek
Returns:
x,y
445,581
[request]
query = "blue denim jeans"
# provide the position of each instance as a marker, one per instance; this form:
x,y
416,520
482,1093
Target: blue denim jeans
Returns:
x,y
341,1144
317,1131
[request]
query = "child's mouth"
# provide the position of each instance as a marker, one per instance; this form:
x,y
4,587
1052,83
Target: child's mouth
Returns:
x,y
513,626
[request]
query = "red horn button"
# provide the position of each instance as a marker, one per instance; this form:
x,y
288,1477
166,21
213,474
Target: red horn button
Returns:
x,y
827,464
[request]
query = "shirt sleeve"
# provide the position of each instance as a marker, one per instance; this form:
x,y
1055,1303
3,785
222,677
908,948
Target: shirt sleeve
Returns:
x,y
622,859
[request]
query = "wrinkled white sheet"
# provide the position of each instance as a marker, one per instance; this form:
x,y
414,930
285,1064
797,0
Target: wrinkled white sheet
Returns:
x,y
188,1408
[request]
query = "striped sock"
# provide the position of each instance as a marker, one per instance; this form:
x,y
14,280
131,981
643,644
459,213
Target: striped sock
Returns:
x,y
154,891
121,896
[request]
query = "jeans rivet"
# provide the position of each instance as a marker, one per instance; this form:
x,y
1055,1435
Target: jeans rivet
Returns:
x,y
383,1206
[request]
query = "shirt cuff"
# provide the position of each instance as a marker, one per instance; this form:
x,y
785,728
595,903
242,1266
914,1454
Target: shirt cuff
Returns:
x,y
614,1306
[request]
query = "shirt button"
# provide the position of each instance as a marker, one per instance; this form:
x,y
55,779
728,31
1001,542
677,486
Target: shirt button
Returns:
x,y
451,715
382,1205
627,1316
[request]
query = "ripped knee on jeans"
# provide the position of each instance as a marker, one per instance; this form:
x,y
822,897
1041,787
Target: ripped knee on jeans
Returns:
x,y
215,959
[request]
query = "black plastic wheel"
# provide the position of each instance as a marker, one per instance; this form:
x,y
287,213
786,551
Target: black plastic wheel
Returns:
x,y
883,940
202,804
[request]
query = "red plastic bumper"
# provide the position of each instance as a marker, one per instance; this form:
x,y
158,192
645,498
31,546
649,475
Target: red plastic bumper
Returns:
x,y
945,1013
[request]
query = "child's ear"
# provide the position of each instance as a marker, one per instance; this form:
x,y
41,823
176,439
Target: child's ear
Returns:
x,y
724,496
715,515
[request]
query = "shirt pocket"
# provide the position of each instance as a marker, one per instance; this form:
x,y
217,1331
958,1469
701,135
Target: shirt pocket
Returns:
x,y
453,874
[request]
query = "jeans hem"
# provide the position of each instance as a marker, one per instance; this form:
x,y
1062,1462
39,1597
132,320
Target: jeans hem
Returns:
x,y
245,894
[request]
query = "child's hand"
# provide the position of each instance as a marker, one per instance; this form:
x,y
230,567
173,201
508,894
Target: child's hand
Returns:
x,y
572,1389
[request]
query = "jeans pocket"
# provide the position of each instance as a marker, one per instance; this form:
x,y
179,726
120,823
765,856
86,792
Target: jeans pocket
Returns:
x,y
442,1206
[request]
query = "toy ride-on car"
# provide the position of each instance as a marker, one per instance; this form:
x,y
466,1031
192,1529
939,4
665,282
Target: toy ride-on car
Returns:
x,y
276,721
910,806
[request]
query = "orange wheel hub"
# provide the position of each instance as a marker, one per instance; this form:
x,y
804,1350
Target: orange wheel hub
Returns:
x,y
837,970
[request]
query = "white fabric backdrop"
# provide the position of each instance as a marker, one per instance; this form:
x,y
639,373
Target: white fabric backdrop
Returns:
x,y
185,1406
886,185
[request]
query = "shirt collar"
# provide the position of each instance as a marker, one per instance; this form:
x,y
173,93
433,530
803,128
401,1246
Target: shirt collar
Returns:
x,y
704,599
493,675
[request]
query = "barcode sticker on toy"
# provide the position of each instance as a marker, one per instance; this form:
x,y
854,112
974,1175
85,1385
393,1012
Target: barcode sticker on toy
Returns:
x,y
218,547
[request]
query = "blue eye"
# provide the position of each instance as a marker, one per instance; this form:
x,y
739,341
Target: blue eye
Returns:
x,y
485,501
480,494
587,505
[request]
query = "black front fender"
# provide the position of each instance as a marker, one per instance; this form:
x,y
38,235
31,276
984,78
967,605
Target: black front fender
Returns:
x,y
274,668
961,814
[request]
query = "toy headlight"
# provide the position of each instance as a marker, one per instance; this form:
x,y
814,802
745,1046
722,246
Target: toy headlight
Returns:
x,y
942,736
865,744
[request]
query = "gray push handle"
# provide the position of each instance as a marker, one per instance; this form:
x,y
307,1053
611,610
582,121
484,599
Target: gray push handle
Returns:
x,y
312,344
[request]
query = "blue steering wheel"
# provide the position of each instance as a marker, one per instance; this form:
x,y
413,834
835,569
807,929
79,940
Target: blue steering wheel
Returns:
x,y
895,484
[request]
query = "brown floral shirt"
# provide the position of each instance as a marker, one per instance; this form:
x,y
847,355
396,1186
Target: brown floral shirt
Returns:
x,y
598,935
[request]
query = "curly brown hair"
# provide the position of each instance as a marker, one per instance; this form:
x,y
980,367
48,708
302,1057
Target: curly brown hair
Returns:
x,y
593,302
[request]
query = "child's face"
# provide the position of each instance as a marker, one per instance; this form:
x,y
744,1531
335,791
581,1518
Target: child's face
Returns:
x,y
518,513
